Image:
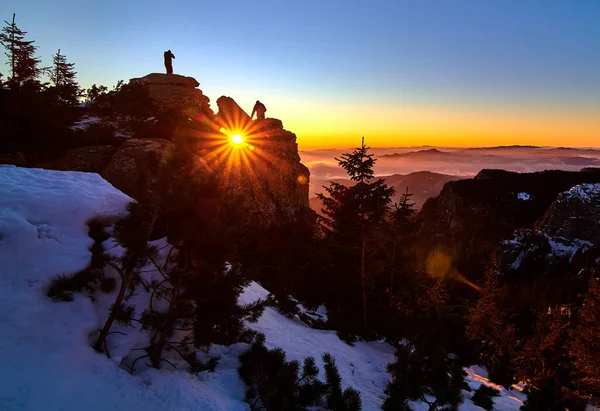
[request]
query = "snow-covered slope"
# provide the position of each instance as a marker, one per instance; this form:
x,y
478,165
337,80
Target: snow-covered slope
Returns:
x,y
46,361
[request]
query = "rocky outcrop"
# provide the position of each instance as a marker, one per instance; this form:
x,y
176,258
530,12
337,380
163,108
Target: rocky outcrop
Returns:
x,y
555,259
90,159
470,218
15,159
263,177
266,177
232,117
575,215
134,167
172,91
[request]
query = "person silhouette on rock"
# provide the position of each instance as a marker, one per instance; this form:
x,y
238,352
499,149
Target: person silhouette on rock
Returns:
x,y
169,61
259,109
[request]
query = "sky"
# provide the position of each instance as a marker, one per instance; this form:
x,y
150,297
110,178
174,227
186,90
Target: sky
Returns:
x,y
398,72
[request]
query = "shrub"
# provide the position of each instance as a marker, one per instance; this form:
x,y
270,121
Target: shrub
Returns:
x,y
430,376
275,384
483,397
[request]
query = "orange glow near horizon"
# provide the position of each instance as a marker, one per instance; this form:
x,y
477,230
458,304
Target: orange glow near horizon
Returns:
x,y
331,125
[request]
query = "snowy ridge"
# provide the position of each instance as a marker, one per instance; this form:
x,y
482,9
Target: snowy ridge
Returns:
x,y
47,362
584,192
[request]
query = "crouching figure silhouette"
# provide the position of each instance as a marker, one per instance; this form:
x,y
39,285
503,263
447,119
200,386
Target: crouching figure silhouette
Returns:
x,y
259,109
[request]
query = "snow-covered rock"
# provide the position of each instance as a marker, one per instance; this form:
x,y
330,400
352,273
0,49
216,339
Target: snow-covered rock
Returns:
x,y
570,227
575,214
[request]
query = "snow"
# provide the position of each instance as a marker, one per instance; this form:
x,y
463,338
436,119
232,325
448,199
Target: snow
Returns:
x,y
85,122
362,366
584,192
563,247
524,196
511,399
42,220
47,362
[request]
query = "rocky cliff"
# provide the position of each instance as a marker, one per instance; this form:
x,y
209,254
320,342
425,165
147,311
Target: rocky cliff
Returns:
x,y
264,172
263,175
470,218
554,259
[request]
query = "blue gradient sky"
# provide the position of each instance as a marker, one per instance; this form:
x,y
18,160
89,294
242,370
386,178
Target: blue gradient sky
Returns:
x,y
453,72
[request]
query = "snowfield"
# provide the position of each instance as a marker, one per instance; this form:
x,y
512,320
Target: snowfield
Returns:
x,y
46,359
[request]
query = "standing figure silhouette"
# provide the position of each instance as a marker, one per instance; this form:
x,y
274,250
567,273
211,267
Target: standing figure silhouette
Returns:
x,y
169,61
259,109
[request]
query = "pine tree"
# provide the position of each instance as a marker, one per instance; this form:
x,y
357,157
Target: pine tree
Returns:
x,y
400,227
195,293
132,234
490,323
24,65
356,212
63,78
424,374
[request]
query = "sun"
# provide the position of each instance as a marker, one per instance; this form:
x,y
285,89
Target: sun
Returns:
x,y
237,139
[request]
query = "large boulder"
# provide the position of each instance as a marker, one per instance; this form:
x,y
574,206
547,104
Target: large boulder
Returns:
x,y
134,168
575,215
172,91
89,159
232,117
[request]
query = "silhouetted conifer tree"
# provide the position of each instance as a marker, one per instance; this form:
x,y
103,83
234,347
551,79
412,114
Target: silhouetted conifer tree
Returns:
x,y
489,322
351,215
24,65
483,397
132,234
63,77
338,400
400,230
543,363
275,384
199,279
425,374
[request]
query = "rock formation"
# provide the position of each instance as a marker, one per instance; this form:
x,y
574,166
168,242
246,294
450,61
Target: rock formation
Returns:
x,y
470,218
90,159
175,92
263,177
134,168
554,257
268,178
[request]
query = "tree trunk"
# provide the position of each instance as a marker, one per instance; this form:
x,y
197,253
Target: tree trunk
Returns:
x,y
156,353
111,317
12,48
363,291
391,293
